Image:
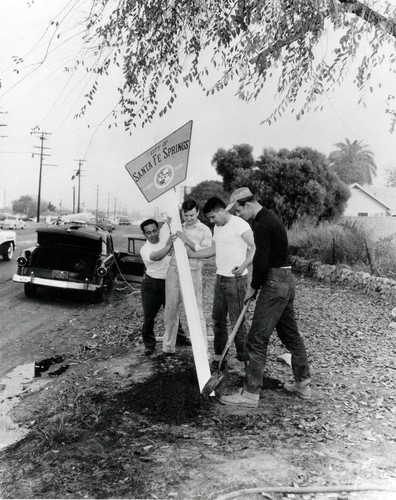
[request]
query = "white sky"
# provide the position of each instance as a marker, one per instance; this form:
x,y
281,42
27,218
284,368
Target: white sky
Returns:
x,y
49,99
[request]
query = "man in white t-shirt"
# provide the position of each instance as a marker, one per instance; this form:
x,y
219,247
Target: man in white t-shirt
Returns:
x,y
155,255
233,245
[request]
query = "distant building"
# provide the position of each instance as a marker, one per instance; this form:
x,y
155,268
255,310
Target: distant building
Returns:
x,y
363,202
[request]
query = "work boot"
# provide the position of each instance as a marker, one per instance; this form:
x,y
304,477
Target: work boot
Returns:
x,y
243,398
301,389
148,351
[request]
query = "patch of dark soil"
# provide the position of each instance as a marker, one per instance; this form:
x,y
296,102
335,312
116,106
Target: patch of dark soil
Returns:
x,y
169,397
59,371
45,364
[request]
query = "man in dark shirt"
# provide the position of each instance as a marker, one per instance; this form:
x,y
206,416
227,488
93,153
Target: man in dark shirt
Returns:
x,y
273,284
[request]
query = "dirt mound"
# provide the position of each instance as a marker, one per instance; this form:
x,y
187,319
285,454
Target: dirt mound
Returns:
x,y
170,397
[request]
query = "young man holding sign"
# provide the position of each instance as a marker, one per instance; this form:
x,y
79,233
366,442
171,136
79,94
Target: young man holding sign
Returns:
x,y
195,236
155,254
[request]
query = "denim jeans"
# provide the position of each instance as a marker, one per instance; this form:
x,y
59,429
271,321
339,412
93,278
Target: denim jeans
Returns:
x,y
274,309
229,293
174,302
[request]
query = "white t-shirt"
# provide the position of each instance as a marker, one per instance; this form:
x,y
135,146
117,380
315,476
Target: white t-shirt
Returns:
x,y
230,247
156,268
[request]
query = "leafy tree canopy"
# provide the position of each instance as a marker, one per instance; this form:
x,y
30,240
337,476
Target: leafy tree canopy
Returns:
x,y
27,205
162,44
227,161
205,190
295,184
390,174
353,162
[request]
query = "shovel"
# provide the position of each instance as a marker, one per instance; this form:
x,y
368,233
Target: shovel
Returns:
x,y
217,376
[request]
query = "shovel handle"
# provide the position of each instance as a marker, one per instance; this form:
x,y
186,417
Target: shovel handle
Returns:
x,y
234,331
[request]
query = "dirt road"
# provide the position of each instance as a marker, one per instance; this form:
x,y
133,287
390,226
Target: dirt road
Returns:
x,y
116,424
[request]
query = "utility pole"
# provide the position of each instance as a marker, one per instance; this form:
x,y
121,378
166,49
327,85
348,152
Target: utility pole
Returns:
x,y
4,197
78,174
97,204
74,199
108,204
3,124
115,209
42,164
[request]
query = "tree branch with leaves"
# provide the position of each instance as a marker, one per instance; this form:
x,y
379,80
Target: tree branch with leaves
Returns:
x,y
163,45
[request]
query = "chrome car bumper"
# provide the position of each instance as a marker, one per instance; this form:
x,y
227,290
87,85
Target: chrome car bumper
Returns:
x,y
71,285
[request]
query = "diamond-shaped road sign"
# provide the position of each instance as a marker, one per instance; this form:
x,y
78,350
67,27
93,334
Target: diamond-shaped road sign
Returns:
x,y
164,165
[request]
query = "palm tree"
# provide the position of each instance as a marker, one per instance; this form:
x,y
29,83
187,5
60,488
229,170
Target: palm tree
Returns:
x,y
353,162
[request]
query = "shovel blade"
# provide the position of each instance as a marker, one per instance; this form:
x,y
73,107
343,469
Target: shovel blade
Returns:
x,y
212,383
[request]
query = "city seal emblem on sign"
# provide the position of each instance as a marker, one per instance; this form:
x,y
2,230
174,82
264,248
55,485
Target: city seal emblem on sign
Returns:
x,y
164,176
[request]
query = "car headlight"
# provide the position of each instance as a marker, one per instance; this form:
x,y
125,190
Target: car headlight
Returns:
x,y
22,261
101,271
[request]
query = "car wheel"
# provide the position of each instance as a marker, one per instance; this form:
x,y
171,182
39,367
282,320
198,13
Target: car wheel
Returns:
x,y
9,252
30,290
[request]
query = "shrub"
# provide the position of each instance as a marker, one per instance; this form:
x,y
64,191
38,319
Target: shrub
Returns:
x,y
384,251
329,242
344,242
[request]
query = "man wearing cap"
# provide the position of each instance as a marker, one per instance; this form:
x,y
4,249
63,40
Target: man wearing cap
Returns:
x,y
272,283
233,246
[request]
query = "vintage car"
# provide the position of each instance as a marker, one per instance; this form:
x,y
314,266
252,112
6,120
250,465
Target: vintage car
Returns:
x,y
106,224
7,244
124,221
69,257
13,222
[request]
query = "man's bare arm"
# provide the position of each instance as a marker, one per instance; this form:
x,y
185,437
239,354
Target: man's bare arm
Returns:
x,y
247,237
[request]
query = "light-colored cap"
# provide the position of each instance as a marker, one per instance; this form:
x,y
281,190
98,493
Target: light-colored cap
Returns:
x,y
238,194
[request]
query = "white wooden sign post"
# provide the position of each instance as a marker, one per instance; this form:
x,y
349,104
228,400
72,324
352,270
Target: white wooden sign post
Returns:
x,y
156,172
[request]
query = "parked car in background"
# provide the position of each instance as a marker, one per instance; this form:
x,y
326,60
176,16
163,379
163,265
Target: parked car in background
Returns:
x,y
69,257
13,222
124,221
7,244
106,224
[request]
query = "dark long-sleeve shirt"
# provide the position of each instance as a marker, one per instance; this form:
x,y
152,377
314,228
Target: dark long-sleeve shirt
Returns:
x,y
271,245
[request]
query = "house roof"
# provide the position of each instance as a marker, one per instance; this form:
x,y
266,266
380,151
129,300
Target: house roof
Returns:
x,y
385,193
366,191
